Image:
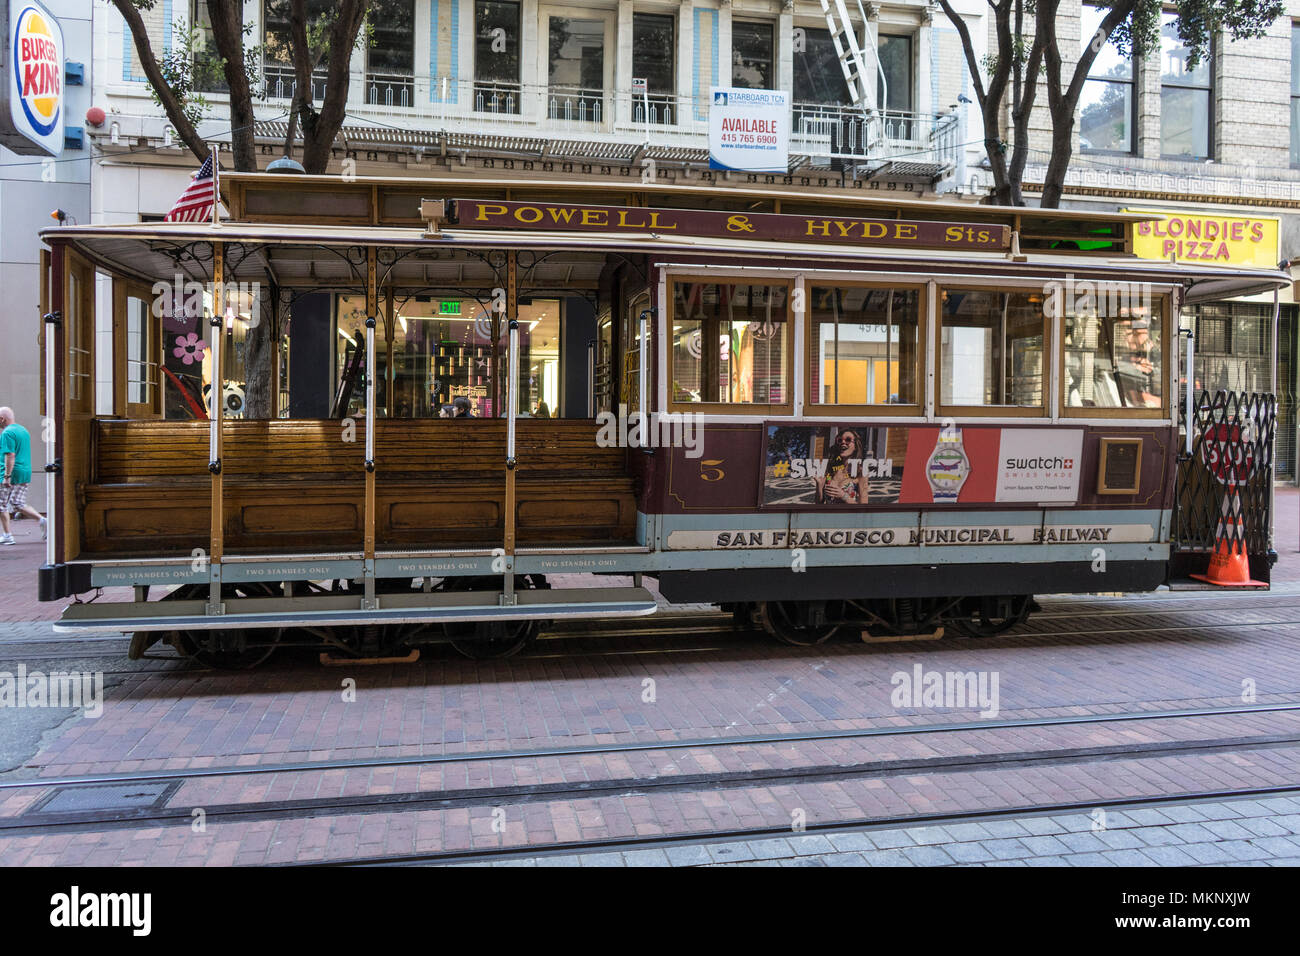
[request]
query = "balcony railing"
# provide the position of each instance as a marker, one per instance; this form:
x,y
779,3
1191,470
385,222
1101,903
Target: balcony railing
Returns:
x,y
825,133
571,104
492,97
655,109
390,89
281,82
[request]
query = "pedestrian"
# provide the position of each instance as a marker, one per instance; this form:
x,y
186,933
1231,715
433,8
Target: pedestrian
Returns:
x,y
16,455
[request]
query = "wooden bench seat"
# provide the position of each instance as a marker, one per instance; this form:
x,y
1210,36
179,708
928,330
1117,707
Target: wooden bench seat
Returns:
x,y
291,486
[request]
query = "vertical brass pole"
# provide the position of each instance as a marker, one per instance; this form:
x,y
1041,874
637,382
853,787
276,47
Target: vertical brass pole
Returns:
x,y
216,404
390,376
372,309
512,401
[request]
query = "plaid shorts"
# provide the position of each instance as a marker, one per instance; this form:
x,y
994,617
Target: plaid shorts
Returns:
x,y
13,496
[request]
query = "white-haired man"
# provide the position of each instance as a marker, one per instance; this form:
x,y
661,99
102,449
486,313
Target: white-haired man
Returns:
x,y
16,456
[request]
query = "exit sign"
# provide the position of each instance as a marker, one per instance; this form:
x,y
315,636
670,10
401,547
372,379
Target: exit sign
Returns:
x,y
449,308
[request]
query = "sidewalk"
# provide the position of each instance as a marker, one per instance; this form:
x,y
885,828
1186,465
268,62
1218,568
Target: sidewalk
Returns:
x,y
1225,833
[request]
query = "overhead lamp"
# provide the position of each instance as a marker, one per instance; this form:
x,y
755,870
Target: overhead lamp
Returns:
x,y
286,164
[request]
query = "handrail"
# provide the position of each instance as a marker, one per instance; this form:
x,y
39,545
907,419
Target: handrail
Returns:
x,y
1191,389
642,363
50,426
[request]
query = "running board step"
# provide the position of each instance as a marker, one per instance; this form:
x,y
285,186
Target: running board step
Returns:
x,y
333,610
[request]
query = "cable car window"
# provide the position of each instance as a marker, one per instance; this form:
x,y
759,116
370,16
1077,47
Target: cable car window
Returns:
x,y
992,349
730,344
139,352
1113,354
864,344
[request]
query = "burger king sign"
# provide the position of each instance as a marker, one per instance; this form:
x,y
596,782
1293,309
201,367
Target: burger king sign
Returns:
x,y
32,119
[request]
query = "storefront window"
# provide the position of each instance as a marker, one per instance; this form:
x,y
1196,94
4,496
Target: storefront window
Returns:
x,y
992,349
576,71
894,89
1185,97
818,77
442,351
865,343
1113,355
1106,106
751,55
496,56
730,344
390,53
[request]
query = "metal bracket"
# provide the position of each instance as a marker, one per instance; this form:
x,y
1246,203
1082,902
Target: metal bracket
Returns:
x,y
215,466
53,318
55,467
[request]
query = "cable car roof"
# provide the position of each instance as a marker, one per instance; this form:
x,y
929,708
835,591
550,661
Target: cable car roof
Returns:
x,y
299,254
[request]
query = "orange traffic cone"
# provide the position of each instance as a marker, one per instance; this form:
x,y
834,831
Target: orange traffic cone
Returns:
x,y
1229,566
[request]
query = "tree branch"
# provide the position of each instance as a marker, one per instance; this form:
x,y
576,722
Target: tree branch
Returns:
x,y
171,103
227,18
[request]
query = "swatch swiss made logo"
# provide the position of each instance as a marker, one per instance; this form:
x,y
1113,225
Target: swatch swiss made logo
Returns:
x,y
36,76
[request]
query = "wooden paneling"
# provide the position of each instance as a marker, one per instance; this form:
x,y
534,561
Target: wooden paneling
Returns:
x,y
294,485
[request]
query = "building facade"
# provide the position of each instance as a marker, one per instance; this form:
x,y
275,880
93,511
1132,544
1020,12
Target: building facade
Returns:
x,y
619,91
31,188
1207,147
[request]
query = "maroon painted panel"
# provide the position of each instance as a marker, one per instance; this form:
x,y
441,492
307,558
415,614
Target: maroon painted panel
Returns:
x,y
728,475
570,217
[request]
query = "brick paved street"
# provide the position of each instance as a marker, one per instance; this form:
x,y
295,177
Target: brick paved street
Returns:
x,y
1214,833
449,756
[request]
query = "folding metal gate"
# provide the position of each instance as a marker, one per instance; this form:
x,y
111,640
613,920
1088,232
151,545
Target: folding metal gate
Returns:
x,y
1224,487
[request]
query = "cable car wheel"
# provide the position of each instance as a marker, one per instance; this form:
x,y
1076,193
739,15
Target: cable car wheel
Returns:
x,y
994,615
794,623
491,640
234,649
231,649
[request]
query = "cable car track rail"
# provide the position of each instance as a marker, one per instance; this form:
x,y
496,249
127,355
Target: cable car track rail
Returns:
x,y
648,745
452,857
180,812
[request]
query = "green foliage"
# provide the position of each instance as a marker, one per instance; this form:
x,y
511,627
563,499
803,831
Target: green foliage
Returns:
x,y
192,67
1198,23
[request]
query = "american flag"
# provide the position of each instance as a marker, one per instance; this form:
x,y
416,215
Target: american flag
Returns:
x,y
195,204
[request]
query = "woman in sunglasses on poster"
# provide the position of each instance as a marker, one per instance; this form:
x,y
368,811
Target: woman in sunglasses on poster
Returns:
x,y
843,482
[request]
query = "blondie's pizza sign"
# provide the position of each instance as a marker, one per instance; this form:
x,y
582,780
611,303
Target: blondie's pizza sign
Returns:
x,y
1206,237
570,217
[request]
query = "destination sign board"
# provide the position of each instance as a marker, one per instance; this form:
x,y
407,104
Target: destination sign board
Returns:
x,y
820,229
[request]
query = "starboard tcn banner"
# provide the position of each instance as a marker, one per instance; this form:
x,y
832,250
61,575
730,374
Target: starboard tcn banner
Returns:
x,y
749,130
31,114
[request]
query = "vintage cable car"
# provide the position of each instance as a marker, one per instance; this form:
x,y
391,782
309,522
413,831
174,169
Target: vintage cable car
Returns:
x,y
378,413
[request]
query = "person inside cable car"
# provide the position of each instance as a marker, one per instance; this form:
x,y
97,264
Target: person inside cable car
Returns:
x,y
1137,367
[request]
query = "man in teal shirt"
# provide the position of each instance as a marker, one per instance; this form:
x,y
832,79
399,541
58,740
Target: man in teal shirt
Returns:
x,y
16,456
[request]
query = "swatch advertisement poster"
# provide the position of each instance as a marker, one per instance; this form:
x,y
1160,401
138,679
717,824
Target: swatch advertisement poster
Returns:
x,y
749,130
855,466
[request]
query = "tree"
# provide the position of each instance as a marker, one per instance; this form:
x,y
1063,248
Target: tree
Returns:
x,y
1025,58
310,32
